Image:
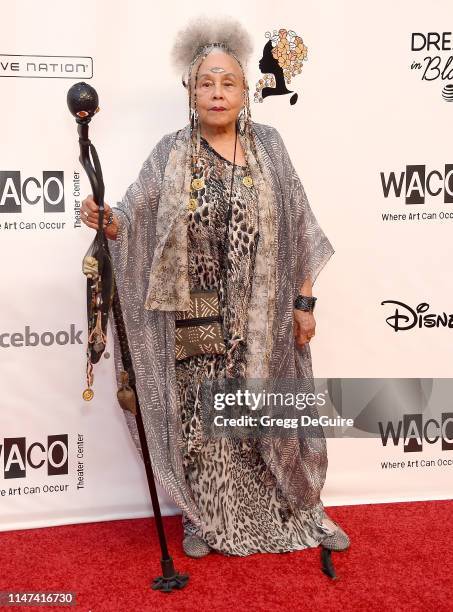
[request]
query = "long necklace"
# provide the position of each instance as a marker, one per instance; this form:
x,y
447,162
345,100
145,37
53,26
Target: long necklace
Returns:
x,y
198,184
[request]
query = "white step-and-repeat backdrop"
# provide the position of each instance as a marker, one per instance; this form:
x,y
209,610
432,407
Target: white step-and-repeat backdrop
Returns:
x,y
369,137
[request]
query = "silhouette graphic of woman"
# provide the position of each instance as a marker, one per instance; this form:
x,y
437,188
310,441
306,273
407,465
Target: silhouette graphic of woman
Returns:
x,y
282,59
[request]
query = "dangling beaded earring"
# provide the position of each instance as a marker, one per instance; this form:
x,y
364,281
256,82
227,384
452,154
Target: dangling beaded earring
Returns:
x,y
193,119
250,136
241,121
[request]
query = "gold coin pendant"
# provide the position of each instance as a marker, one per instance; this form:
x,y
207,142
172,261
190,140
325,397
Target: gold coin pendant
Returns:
x,y
197,183
88,394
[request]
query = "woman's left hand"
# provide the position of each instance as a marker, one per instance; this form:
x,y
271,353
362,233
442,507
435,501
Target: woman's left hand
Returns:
x,y
304,326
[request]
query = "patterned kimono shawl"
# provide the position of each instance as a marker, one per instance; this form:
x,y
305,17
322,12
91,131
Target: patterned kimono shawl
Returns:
x,y
151,270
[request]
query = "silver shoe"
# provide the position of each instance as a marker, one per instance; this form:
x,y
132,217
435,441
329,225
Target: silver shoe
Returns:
x,y
195,547
337,541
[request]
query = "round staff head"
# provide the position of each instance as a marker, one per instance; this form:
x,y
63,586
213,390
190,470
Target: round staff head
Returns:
x,y
83,102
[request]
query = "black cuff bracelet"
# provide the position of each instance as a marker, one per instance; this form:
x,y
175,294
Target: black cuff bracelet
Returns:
x,y
304,302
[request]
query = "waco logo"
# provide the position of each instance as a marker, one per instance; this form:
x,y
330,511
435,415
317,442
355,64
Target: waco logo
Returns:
x,y
48,190
416,181
415,429
16,456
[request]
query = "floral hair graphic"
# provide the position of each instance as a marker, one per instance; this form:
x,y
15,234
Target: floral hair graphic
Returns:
x,y
282,59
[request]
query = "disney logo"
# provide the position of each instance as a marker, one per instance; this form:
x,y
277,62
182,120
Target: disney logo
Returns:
x,y
408,318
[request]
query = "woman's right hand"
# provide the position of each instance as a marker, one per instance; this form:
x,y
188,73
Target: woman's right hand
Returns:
x,y
89,214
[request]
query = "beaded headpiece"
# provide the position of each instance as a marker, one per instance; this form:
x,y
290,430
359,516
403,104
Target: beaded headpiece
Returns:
x,y
192,46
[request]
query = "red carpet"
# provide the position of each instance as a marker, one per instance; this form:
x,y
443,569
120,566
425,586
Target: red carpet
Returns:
x,y
400,559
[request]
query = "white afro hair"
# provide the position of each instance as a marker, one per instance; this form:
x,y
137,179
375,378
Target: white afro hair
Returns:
x,y
203,31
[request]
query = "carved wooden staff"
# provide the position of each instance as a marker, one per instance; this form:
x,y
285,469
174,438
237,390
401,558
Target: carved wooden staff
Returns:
x,y
102,294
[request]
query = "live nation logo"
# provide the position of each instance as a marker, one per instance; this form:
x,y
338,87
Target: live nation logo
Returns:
x,y
404,317
433,59
46,66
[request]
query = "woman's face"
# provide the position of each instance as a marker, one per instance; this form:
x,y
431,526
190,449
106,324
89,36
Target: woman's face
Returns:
x,y
220,89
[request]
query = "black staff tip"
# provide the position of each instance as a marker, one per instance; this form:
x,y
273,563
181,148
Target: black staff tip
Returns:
x,y
83,100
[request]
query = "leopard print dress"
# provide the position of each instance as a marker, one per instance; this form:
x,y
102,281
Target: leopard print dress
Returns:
x,y
242,510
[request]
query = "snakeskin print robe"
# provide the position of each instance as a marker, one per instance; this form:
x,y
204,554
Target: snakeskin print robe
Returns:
x,y
300,249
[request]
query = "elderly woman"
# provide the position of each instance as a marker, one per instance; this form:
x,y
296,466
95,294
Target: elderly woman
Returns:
x,y
218,209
